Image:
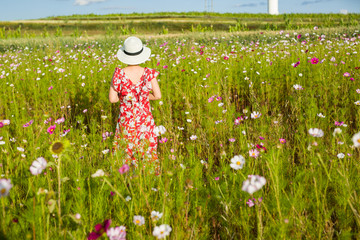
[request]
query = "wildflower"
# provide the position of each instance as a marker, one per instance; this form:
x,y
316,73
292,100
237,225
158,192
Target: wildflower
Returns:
x,y
231,139
125,168
106,151
253,183
100,229
254,153
5,186
282,140
139,220
255,115
221,104
316,132
338,123
38,166
298,87
237,162
51,129
60,120
337,131
28,124
314,60
98,173
51,87
341,155
299,36
210,99
77,216
316,28
1,125
162,231
356,139
117,233
58,147
250,203
156,215
193,137
159,130
357,102
346,74
20,149
320,115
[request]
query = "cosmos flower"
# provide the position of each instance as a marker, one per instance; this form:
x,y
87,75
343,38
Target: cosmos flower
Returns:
x,y
250,203
100,229
254,153
156,215
38,166
98,173
159,130
60,120
320,115
346,74
117,233
314,60
162,231
316,132
282,140
193,137
125,168
253,183
298,87
5,186
237,162
255,115
340,155
28,124
51,129
337,131
356,139
139,220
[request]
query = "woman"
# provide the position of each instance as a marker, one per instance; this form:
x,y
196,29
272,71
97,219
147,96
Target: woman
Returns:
x,y
131,86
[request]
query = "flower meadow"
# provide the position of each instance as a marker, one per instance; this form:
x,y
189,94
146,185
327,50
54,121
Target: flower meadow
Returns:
x,y
259,137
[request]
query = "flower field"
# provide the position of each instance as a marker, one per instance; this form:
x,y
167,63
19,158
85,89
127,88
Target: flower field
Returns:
x,y
259,138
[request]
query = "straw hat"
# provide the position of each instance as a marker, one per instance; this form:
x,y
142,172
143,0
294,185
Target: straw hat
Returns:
x,y
133,52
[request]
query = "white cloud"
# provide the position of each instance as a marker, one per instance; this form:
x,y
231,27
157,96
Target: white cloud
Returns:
x,y
344,11
86,2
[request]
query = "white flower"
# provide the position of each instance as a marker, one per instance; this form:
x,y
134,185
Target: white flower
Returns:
x,y
77,216
341,155
162,231
320,115
188,120
237,162
253,183
20,149
356,139
357,102
161,103
316,132
117,233
156,215
337,131
139,220
159,130
2,142
221,104
255,115
98,173
105,151
38,166
193,137
243,132
128,198
298,87
5,186
83,84
104,117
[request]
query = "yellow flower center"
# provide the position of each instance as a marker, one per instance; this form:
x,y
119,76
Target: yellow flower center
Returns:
x,y
162,232
358,140
256,115
137,221
238,163
3,191
253,154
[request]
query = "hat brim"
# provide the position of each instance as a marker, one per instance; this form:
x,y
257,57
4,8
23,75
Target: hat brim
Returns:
x,y
133,60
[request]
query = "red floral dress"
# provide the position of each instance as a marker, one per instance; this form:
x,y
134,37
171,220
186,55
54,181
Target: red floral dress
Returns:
x,y
135,125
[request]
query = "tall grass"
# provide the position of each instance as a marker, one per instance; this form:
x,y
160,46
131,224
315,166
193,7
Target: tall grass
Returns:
x,y
310,193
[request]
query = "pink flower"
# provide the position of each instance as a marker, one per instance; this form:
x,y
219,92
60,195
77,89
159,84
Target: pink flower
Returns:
x,y
314,60
226,58
51,129
346,74
254,153
261,138
338,123
282,140
250,203
28,124
166,66
1,124
210,99
299,36
85,110
231,139
51,87
124,169
217,178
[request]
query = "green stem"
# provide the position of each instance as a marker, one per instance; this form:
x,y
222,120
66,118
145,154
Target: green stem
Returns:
x,y
59,191
116,191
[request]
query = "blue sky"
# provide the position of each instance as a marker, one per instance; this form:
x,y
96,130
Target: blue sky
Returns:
x,y
33,9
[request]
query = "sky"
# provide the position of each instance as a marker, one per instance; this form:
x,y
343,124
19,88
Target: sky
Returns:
x,y
35,9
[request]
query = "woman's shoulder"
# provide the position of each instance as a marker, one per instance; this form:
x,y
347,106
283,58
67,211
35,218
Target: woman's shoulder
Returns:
x,y
151,73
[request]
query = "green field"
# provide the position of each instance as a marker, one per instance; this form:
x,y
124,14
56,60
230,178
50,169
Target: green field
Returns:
x,y
287,101
168,22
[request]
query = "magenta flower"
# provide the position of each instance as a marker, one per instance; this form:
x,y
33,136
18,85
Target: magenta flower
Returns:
x,y
261,138
296,64
124,169
299,36
100,229
250,203
217,178
282,140
51,129
338,123
1,124
314,60
166,66
210,99
226,58
346,74
231,139
51,87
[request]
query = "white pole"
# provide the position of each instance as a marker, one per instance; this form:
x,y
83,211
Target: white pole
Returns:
x,y
273,7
